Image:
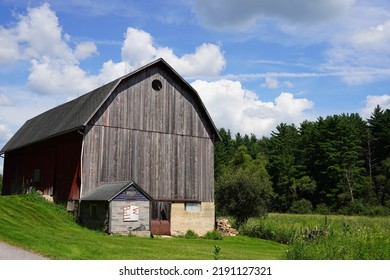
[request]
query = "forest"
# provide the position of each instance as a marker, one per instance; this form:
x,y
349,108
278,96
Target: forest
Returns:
x,y
337,164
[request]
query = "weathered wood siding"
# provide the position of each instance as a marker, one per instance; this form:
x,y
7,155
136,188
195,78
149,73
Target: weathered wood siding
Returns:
x,y
159,139
118,226
51,166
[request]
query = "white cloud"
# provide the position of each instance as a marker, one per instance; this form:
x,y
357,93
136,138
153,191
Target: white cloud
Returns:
x,y
5,100
55,74
25,105
377,37
359,51
374,100
111,71
39,34
5,133
364,47
38,38
273,83
233,107
353,35
242,14
85,50
207,60
9,49
270,82
51,77
139,49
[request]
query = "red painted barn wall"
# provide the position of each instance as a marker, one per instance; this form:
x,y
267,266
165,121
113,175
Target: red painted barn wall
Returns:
x,y
51,166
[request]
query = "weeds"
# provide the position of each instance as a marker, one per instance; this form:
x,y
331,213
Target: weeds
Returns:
x,y
366,244
217,252
325,237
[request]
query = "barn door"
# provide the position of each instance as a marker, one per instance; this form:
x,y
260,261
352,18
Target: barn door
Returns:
x,y
161,218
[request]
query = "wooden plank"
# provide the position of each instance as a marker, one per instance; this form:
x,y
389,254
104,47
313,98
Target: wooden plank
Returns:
x,y
155,138
174,165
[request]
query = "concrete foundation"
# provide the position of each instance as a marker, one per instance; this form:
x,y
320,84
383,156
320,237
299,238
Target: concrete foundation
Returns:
x,y
200,221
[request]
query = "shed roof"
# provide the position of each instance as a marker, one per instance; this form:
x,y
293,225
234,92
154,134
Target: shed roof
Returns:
x,y
108,191
75,114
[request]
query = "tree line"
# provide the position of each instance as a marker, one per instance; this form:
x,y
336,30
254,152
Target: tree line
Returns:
x,y
337,164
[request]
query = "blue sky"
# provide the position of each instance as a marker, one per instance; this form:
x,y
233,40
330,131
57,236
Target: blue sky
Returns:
x,y
255,63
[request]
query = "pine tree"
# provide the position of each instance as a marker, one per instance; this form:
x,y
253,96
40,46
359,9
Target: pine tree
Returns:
x,y
283,167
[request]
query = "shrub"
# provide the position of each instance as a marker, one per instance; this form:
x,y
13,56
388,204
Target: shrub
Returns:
x,y
355,207
323,209
244,189
377,210
302,206
213,235
190,234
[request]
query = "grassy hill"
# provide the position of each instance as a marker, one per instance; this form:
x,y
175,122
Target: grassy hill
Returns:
x,y
31,222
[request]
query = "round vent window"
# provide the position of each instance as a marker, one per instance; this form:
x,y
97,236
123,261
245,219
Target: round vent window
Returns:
x,y
156,85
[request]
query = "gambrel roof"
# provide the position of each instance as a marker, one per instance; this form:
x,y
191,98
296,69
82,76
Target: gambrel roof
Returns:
x,y
75,115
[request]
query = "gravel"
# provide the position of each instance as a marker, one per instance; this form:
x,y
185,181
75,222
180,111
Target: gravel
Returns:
x,y
9,252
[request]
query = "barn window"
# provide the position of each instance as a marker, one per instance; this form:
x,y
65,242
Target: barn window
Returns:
x,y
156,85
192,206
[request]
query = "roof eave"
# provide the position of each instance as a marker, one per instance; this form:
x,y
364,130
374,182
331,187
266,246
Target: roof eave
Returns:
x,y
44,139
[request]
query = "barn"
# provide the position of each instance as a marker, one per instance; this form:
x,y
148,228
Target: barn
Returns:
x,y
148,128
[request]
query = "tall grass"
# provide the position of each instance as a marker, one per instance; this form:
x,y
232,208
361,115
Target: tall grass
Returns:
x,y
361,244
332,237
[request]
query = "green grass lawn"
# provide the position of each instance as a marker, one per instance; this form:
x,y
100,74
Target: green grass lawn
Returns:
x,y
32,223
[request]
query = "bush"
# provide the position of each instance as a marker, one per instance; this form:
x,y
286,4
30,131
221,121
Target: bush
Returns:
x,y
213,235
355,207
241,194
323,209
302,206
377,210
190,234
244,188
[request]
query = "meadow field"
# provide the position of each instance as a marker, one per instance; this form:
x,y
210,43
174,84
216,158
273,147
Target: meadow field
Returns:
x,y
320,237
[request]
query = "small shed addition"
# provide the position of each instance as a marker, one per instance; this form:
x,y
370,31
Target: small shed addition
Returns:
x,y
118,207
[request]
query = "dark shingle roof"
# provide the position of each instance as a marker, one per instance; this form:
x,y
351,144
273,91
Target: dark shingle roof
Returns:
x,y
108,191
67,117
75,114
